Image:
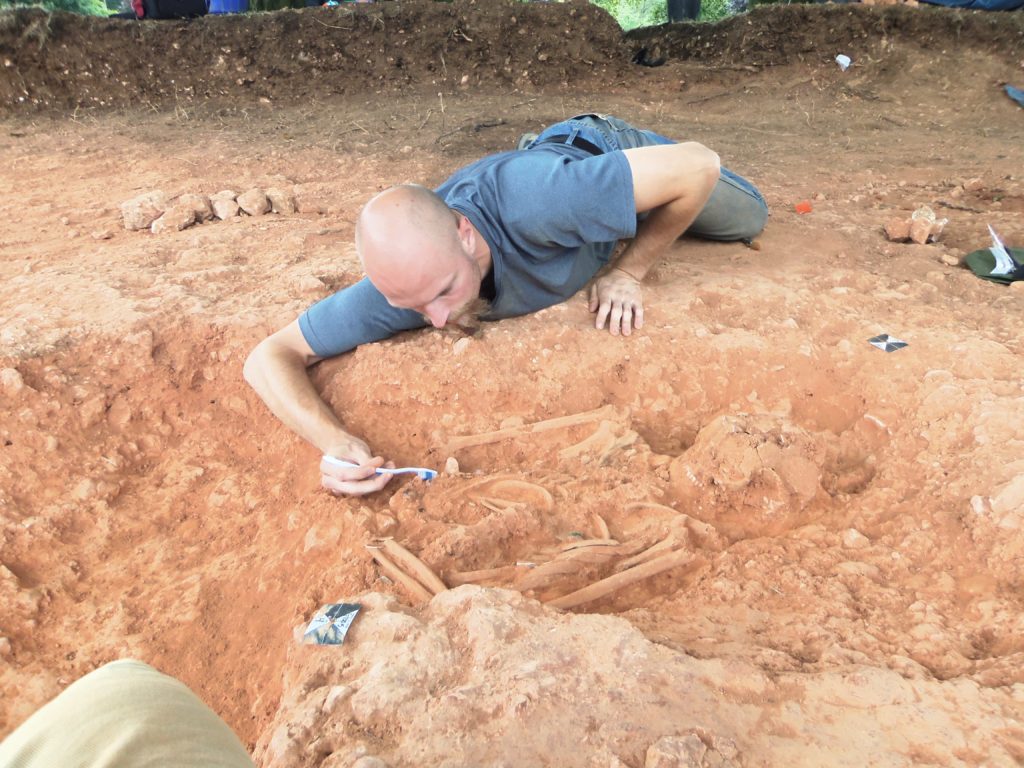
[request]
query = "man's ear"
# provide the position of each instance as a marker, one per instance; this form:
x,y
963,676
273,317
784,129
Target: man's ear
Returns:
x,y
467,235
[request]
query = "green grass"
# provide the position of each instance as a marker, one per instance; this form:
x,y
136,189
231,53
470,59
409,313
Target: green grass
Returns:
x,y
83,7
649,13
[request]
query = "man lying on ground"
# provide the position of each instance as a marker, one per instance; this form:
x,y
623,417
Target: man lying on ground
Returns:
x,y
510,234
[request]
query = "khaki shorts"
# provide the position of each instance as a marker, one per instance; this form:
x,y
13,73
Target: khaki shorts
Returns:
x,y
124,715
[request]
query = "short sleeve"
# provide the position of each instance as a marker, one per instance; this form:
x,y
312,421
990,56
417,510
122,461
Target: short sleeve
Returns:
x,y
355,315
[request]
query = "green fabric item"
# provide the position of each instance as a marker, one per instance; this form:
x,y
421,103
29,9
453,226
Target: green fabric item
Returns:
x,y
983,262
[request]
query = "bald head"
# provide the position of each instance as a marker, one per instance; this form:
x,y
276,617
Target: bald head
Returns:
x,y
405,235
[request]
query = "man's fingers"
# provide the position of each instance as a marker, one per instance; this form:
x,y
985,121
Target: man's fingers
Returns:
x,y
638,316
627,320
602,314
615,319
593,301
354,487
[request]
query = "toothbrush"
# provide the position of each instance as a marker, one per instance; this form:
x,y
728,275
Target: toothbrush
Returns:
x,y
420,472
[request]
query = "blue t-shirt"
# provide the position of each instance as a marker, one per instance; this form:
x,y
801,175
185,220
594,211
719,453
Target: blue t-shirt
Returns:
x,y
551,216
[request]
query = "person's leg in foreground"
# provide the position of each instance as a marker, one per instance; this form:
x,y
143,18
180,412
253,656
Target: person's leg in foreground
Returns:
x,y
124,715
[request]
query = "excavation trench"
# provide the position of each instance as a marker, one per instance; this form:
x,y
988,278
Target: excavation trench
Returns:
x,y
743,532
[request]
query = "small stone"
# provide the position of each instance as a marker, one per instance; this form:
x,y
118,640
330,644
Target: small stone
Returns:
x,y
175,219
451,466
140,212
200,205
1017,286
920,230
224,194
335,696
5,648
676,752
1010,498
224,207
950,259
11,381
973,185
310,284
854,539
369,761
254,202
308,204
384,523
897,230
280,201
461,345
102,234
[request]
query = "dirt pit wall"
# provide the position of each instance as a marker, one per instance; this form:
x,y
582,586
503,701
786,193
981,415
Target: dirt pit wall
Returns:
x,y
61,61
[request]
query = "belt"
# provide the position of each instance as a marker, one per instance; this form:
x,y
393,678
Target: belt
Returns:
x,y
577,141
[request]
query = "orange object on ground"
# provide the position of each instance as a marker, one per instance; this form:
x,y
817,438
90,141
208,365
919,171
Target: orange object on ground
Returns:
x,y
804,206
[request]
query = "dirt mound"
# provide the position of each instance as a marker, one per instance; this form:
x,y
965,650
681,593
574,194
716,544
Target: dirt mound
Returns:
x,y
486,675
814,33
62,61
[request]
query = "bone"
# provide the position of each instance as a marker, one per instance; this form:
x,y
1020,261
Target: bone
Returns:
x,y
650,553
500,574
412,565
393,572
588,543
601,526
618,581
486,438
497,493
545,574
602,443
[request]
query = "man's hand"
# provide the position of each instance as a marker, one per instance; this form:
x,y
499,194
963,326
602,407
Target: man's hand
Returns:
x,y
353,481
276,369
616,297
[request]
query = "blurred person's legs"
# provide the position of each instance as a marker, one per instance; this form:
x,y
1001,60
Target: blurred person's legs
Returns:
x,y
124,715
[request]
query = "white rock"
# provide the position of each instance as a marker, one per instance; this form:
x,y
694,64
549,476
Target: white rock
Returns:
x,y
224,194
11,381
224,207
200,205
854,539
140,212
369,761
254,202
310,284
451,466
280,201
1010,497
175,219
335,696
676,752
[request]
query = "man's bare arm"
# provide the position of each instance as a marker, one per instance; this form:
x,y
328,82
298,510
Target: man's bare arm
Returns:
x,y
276,369
673,182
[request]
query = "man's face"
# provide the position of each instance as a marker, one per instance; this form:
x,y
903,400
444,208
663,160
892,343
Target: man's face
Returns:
x,y
452,296
430,270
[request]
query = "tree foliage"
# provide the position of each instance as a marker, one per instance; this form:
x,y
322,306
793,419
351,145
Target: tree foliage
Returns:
x,y
84,7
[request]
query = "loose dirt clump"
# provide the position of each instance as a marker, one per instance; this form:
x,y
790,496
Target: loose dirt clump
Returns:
x,y
838,525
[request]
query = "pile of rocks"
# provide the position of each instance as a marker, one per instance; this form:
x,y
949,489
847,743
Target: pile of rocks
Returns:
x,y
158,213
921,226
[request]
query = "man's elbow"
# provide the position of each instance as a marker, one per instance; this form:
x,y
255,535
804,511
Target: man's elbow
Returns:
x,y
253,366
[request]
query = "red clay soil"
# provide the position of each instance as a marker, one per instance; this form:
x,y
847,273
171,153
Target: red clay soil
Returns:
x,y
848,584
